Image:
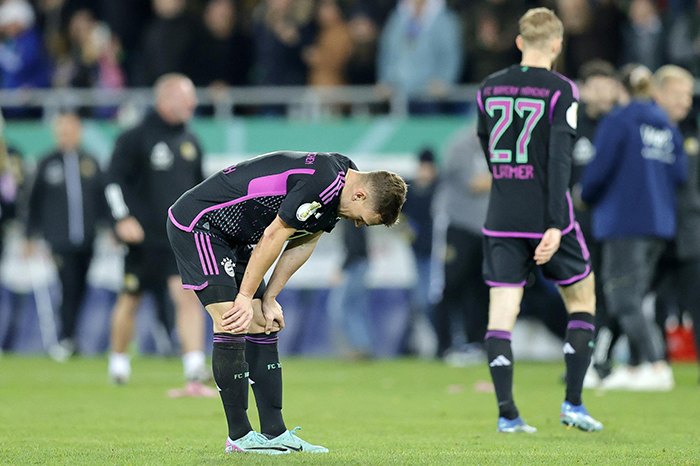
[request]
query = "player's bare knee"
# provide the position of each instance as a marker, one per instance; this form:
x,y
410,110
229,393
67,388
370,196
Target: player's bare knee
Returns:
x,y
504,307
216,311
580,296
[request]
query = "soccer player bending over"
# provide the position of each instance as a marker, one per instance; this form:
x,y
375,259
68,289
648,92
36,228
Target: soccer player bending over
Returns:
x,y
527,125
265,201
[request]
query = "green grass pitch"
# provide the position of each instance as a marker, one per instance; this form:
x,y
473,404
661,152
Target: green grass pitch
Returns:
x,y
389,412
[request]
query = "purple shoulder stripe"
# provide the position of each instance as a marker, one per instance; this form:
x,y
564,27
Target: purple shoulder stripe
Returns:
x,y
479,101
574,87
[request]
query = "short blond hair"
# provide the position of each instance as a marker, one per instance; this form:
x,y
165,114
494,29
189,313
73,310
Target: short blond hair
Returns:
x,y
540,25
667,72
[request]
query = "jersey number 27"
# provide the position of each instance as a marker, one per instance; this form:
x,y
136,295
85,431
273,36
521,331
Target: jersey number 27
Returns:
x,y
529,109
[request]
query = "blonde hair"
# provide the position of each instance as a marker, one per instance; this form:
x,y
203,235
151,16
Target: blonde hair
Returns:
x,y
540,25
667,72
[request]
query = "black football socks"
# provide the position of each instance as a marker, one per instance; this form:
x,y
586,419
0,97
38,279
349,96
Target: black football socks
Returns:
x,y
231,376
262,355
578,349
500,357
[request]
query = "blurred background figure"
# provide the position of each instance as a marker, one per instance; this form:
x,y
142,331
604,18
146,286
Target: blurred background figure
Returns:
x,y
282,30
328,57
684,39
92,60
420,52
631,184
644,37
492,29
589,29
678,281
12,195
152,165
600,93
65,205
23,60
418,212
166,42
461,315
222,55
348,302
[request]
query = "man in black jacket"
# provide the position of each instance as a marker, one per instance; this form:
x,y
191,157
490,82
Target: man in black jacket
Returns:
x,y
151,166
65,204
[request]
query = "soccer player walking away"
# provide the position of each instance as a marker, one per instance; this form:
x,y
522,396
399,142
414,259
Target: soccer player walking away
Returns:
x,y
152,165
527,126
265,201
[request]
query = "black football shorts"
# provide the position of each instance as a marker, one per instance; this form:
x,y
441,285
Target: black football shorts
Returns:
x,y
209,265
508,260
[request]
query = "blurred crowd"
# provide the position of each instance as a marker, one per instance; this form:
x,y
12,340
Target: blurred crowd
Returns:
x,y
410,46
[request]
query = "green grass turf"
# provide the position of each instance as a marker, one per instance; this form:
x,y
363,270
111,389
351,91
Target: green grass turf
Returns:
x,y
389,412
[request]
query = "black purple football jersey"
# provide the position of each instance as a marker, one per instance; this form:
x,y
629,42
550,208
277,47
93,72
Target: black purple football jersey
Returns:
x,y
527,124
240,201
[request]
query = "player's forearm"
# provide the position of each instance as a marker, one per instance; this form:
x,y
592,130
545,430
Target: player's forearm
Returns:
x,y
293,257
264,255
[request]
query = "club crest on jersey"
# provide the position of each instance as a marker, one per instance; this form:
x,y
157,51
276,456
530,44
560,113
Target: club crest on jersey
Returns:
x,y
572,115
161,157
229,266
307,210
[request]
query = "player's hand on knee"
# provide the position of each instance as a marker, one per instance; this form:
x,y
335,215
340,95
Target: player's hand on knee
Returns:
x,y
548,246
238,318
274,317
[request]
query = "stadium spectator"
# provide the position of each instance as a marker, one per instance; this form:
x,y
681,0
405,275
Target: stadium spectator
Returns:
x,y
465,182
23,61
348,302
684,40
66,202
679,269
493,27
281,33
166,42
362,65
223,54
328,57
631,184
93,60
644,36
151,166
591,26
419,215
420,51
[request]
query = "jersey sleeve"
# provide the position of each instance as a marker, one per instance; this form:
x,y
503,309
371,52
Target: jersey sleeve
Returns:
x,y
304,199
563,115
122,174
